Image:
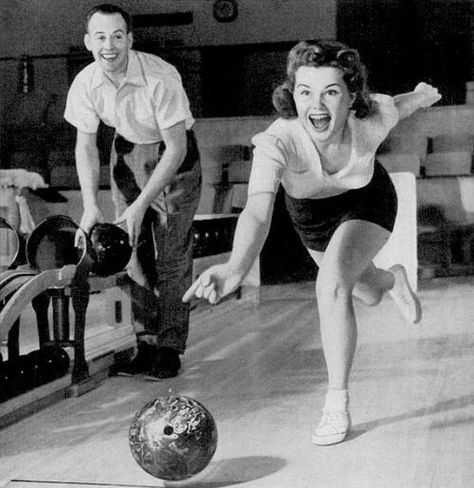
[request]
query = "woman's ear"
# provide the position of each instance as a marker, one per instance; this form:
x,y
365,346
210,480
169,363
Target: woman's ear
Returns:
x,y
353,97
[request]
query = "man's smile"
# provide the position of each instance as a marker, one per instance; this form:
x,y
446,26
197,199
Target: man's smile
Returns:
x,y
109,56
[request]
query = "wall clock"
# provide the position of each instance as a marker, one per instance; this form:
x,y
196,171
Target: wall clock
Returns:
x,y
225,10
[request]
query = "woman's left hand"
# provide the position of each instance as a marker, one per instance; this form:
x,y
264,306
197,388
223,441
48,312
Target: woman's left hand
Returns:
x,y
133,218
430,94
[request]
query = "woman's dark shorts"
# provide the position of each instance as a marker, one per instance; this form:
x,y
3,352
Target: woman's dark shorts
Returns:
x,y
316,220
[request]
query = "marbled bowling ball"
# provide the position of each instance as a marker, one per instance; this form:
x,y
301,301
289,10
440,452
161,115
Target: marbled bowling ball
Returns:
x,y
111,250
173,438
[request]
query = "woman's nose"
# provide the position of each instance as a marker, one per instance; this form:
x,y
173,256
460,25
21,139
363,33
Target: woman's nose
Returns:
x,y
317,100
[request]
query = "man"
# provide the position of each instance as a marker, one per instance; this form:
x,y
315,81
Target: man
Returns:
x,y
155,176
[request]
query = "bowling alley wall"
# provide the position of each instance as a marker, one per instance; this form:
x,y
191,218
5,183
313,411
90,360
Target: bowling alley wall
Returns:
x,y
39,29
229,69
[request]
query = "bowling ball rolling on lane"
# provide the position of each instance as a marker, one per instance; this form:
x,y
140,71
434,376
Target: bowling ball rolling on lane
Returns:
x,y
173,438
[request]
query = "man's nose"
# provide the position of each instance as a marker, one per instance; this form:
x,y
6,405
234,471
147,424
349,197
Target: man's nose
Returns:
x,y
108,42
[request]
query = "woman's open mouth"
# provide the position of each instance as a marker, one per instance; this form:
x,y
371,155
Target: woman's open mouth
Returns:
x,y
320,122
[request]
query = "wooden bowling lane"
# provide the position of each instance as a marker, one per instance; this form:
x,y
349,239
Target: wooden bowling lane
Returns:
x,y
261,373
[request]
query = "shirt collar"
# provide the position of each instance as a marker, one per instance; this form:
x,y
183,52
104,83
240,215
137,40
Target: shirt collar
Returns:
x,y
134,74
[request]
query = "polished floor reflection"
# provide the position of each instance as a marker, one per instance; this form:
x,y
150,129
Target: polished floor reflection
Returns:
x,y
261,373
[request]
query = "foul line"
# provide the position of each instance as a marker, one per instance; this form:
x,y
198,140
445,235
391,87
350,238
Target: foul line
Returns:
x,y
84,483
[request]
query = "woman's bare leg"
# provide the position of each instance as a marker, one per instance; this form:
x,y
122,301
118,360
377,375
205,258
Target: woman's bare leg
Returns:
x,y
348,255
371,286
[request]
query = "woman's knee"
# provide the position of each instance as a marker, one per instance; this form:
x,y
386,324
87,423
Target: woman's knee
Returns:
x,y
333,290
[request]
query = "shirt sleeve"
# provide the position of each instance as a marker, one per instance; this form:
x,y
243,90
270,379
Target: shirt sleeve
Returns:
x,y
80,111
172,103
372,130
268,164
387,110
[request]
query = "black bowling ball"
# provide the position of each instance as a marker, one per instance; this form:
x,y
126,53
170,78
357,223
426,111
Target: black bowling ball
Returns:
x,y
51,245
111,250
55,360
34,358
23,374
48,363
6,382
16,377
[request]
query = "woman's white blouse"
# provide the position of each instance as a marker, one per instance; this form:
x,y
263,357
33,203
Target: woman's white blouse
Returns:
x,y
285,153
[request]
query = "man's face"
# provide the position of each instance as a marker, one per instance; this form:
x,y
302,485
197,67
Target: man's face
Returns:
x,y
108,40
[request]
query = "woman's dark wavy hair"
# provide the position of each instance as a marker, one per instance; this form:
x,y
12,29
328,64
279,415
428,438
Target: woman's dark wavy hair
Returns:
x,y
325,53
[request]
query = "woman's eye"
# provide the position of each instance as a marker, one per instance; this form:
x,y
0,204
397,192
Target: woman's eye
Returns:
x,y
332,93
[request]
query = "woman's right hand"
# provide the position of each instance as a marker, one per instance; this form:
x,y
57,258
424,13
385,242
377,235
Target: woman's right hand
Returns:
x,y
213,284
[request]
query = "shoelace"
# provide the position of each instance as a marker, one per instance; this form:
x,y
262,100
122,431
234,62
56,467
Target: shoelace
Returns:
x,y
338,420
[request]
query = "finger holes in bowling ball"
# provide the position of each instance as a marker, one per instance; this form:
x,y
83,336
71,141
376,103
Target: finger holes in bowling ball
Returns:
x,y
173,454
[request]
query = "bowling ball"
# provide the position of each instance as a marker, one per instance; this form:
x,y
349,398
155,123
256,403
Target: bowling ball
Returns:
x,y
16,377
51,245
22,371
53,362
173,437
111,250
34,358
48,363
6,382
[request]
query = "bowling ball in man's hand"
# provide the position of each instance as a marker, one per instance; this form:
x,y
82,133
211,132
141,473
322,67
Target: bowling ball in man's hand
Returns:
x,y
173,438
111,250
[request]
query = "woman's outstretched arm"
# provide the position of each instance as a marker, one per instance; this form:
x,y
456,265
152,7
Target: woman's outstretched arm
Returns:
x,y
250,234
424,95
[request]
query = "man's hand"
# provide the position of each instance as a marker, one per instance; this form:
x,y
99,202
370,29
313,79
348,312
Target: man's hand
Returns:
x,y
133,218
90,217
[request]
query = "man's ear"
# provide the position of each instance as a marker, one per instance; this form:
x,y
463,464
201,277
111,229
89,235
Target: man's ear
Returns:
x,y
87,41
130,40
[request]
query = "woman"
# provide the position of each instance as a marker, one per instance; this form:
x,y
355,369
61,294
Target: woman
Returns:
x,y
341,201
